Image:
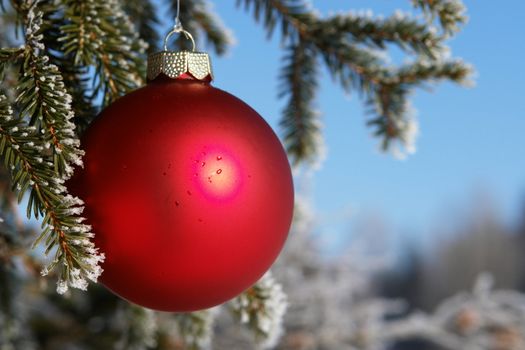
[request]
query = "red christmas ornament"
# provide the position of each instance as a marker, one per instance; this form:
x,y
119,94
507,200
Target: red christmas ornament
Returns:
x,y
188,189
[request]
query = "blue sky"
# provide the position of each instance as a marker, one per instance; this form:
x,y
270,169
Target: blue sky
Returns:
x,y
471,140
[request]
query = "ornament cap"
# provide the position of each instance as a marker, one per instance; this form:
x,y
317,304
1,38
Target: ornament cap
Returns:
x,y
175,64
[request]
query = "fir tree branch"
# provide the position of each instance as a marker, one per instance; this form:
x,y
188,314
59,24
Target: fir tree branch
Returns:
x,y
62,231
395,122
450,13
347,42
262,308
399,29
39,151
100,34
10,54
144,17
77,83
355,68
77,78
423,71
293,15
300,121
195,328
42,96
141,328
300,21
199,19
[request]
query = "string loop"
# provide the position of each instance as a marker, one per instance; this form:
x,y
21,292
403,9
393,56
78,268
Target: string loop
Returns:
x,y
177,29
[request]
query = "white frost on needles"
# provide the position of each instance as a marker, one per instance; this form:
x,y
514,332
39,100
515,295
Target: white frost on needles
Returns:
x,y
59,115
196,328
409,128
263,307
87,260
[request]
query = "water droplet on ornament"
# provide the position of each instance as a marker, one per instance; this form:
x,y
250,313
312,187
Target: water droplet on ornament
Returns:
x,y
219,158
169,166
177,203
203,153
249,176
209,179
203,164
188,192
219,171
196,174
164,173
200,220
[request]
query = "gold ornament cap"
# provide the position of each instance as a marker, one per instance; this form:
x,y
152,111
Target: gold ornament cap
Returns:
x,y
174,64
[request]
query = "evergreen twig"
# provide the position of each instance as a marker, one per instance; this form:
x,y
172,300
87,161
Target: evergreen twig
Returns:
x,y
99,34
262,308
300,121
450,13
196,328
352,47
144,18
39,147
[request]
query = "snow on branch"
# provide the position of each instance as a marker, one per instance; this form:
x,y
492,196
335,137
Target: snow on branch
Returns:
x,y
262,308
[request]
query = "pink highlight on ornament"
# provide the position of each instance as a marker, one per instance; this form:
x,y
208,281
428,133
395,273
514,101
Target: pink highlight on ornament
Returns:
x,y
219,173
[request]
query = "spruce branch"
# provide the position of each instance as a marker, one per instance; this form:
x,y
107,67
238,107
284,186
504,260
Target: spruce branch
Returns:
x,y
10,54
395,122
424,71
77,83
450,13
140,327
77,79
352,47
199,19
400,29
39,147
7,56
42,97
350,64
144,18
62,230
262,308
99,34
292,15
300,122
195,328
355,68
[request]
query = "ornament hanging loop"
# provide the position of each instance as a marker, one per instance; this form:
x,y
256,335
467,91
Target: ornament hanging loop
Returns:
x,y
176,64
177,29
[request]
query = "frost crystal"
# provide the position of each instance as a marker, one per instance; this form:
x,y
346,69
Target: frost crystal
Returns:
x,y
62,287
264,306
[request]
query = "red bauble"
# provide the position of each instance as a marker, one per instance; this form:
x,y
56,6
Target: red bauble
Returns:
x,y
189,192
